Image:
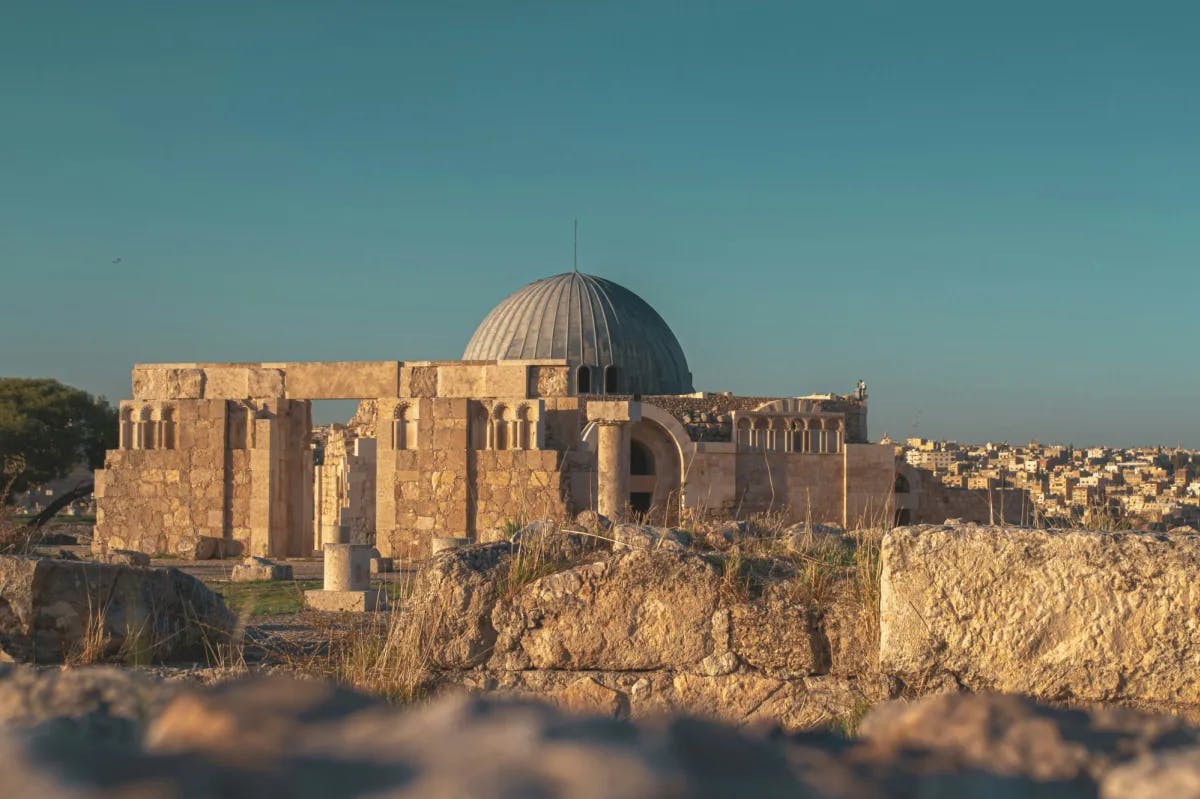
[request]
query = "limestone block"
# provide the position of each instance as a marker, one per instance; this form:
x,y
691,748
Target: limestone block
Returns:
x,y
254,569
264,382
380,565
126,557
442,543
200,547
1065,615
51,604
344,601
614,411
163,382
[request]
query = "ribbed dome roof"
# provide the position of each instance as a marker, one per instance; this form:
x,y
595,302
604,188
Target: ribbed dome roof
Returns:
x,y
590,322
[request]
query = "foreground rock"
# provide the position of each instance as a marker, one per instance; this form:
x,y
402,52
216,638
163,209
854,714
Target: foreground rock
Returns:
x,y
1070,615
53,610
280,737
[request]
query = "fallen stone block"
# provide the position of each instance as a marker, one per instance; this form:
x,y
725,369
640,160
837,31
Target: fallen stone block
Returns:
x,y
126,557
345,601
56,609
1062,615
254,569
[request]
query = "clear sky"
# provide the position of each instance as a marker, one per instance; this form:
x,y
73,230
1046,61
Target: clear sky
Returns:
x,y
990,212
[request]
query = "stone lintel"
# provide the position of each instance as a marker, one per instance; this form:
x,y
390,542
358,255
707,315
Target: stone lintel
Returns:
x,y
614,411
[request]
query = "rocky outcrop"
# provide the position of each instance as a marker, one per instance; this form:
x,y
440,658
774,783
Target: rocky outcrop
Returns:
x,y
52,609
302,739
632,611
1064,615
452,600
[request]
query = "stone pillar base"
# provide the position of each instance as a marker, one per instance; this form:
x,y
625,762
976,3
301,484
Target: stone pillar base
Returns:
x,y
345,601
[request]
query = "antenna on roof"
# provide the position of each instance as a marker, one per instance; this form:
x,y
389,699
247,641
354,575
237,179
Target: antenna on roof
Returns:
x,y
575,256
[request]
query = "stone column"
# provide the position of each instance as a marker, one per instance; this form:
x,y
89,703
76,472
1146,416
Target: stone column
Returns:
x,y
347,567
612,467
611,475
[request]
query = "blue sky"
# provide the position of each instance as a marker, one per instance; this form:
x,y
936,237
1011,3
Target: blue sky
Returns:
x,y
987,211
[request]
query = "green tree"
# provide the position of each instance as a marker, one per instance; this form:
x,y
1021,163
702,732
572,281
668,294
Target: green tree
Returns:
x,y
52,427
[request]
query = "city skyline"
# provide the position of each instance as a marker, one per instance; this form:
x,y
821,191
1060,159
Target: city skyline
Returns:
x,y
982,214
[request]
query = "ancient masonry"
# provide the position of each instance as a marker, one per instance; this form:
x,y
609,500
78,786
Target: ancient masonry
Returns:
x,y
573,394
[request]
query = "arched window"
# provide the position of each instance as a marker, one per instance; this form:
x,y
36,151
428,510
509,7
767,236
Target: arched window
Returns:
x,y
524,433
583,380
126,430
901,484
795,436
611,380
143,434
775,433
403,436
167,429
743,433
758,433
500,419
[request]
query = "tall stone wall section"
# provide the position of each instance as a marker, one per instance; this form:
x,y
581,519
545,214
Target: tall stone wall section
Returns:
x,y
158,500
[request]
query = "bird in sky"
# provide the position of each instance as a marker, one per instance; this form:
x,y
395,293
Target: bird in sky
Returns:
x,y
116,260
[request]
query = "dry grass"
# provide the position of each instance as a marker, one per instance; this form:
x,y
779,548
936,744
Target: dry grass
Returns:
x,y
94,643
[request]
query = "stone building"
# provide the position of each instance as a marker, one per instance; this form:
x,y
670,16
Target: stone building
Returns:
x,y
573,393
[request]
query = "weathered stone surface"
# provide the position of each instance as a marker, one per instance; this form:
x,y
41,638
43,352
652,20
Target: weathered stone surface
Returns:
x,y
779,638
126,557
255,569
47,606
334,601
644,537
1015,737
636,610
1153,776
1061,615
455,594
80,734
99,703
201,547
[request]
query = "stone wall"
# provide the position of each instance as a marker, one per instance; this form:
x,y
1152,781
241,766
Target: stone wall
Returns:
x,y
1061,615
344,488
237,471
159,499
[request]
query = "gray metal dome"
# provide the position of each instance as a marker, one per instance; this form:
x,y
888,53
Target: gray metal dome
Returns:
x,y
615,341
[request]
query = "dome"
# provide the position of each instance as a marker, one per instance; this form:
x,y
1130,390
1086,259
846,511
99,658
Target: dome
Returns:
x,y
615,341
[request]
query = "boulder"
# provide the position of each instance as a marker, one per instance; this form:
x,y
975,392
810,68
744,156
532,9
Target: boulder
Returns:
x,y
306,739
592,522
1064,615
633,610
201,547
100,704
644,537
453,596
51,610
255,569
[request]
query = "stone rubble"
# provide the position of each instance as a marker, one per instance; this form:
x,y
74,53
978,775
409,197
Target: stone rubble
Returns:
x,y
106,733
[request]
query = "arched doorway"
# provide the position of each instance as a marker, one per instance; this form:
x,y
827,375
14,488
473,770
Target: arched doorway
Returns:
x,y
655,472
641,477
